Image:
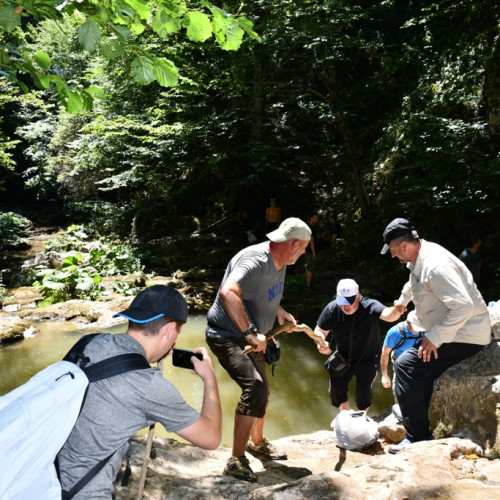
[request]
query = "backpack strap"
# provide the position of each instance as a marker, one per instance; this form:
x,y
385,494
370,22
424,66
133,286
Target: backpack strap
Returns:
x,y
403,336
106,368
115,366
75,354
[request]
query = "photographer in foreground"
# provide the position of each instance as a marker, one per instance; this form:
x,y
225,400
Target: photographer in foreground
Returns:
x,y
117,407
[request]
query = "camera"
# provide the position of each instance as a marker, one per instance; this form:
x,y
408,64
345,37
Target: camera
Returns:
x,y
182,358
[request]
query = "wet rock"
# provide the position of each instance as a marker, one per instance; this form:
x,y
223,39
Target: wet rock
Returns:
x,y
12,329
466,397
22,297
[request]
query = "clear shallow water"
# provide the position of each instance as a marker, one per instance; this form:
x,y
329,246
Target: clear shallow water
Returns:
x,y
299,402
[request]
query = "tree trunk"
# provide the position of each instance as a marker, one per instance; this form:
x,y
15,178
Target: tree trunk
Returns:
x,y
491,92
352,152
258,98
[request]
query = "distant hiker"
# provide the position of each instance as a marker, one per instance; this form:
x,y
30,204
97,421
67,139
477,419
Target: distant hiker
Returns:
x,y
332,232
471,257
273,216
116,408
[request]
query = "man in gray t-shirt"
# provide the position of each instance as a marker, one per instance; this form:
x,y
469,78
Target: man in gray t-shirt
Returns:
x,y
245,309
117,407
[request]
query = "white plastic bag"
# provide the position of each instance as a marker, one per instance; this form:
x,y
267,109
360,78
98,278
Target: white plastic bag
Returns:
x,y
354,430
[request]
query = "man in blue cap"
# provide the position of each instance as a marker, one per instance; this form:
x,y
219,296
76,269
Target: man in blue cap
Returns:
x,y
117,407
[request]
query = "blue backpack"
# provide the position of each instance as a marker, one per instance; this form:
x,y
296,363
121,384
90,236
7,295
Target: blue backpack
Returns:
x,y
37,418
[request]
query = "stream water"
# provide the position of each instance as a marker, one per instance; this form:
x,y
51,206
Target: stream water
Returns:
x,y
299,402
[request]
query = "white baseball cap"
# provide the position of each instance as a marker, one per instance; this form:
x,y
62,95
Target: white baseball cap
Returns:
x,y
347,291
291,228
413,320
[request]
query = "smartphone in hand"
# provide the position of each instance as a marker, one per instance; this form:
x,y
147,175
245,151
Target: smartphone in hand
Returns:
x,y
182,358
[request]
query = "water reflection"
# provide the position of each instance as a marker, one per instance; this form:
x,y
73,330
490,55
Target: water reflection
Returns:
x,y
299,401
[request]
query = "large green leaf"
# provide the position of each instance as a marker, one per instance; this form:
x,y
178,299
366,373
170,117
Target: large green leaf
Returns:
x,y
85,283
89,35
9,18
227,31
72,100
42,59
166,72
143,70
141,7
164,24
122,32
112,50
198,26
42,81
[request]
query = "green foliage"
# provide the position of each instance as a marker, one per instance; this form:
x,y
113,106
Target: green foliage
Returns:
x,y
72,281
86,263
13,225
106,28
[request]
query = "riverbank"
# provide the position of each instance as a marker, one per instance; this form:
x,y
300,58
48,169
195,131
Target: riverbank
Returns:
x,y
445,468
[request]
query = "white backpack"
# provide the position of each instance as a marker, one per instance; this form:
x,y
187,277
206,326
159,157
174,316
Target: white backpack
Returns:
x,y
37,418
354,430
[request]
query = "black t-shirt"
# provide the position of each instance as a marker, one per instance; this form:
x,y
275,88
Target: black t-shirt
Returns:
x,y
364,324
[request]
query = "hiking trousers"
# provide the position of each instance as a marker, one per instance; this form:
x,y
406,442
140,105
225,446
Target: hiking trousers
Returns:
x,y
415,384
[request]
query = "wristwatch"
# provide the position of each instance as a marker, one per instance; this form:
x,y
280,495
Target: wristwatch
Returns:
x,y
251,329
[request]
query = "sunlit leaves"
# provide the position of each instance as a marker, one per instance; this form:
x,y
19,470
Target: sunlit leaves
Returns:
x,y
227,31
141,8
89,35
112,50
143,70
165,23
42,59
166,73
9,17
198,26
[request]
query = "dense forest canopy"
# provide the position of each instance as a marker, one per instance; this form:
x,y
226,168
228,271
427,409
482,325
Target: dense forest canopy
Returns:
x,y
371,109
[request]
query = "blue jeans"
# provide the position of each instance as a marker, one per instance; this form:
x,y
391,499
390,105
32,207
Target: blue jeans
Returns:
x,y
415,383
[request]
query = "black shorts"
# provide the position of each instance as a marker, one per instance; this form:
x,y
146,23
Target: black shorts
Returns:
x,y
365,372
248,371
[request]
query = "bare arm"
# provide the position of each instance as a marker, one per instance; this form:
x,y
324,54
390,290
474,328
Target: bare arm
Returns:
x,y
391,314
384,363
313,247
230,295
206,432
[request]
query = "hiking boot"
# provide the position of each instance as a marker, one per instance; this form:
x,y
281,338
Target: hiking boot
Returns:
x,y
239,467
265,449
396,448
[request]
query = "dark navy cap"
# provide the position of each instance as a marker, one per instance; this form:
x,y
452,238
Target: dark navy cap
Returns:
x,y
154,302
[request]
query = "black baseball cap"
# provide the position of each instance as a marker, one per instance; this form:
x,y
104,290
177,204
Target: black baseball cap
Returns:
x,y
395,229
154,302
